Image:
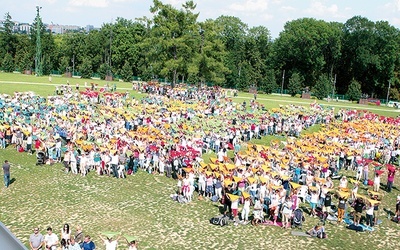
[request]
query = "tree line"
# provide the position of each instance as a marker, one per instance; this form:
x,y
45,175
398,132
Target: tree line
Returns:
x,y
358,56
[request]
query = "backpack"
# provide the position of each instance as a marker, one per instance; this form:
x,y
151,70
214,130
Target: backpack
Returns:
x,y
214,198
219,220
355,228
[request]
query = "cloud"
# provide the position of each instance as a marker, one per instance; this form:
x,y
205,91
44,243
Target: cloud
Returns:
x,y
288,8
50,1
395,21
319,9
89,3
250,6
397,5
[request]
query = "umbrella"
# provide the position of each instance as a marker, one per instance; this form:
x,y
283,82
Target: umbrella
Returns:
x,y
374,193
276,187
130,238
312,188
245,195
237,178
110,234
263,179
251,180
227,182
233,197
295,185
373,202
343,194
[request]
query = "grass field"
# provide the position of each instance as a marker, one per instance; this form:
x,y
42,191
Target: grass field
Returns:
x,y
140,205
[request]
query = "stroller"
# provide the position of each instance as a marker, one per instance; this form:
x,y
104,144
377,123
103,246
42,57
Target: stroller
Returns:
x,y
40,158
298,218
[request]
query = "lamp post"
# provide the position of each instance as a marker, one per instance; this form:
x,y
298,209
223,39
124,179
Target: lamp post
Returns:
x,y
38,58
283,80
387,96
334,86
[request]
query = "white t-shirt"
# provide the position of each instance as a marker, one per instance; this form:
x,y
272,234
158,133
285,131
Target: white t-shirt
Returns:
x,y
51,240
111,245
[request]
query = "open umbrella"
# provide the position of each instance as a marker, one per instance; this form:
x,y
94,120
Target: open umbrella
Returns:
x,y
233,197
130,238
110,234
295,185
245,195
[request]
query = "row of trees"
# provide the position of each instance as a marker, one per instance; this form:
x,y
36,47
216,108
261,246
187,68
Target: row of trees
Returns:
x,y
173,44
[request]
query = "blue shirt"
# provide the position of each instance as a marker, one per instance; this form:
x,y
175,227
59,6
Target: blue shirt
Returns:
x,y
88,246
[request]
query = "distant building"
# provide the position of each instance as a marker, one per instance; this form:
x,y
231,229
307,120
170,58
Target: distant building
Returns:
x,y
89,27
61,29
24,28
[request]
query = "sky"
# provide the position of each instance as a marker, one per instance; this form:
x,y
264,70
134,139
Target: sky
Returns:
x,y
272,14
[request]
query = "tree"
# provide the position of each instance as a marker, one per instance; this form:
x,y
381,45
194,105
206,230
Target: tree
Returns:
x,y
233,34
308,46
269,85
85,68
323,87
295,84
126,72
207,64
23,53
7,38
104,69
169,44
354,91
7,63
370,54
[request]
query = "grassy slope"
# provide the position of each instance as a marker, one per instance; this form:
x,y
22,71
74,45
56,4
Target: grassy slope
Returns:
x,y
140,206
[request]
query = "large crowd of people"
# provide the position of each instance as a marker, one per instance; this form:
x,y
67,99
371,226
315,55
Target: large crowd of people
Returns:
x,y
169,130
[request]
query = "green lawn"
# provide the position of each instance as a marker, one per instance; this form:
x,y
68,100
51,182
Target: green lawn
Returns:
x,y
140,205
11,83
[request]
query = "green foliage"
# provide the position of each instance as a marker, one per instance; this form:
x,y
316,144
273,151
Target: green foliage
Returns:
x,y
295,85
323,87
104,70
174,45
308,46
86,68
23,56
269,84
370,54
8,64
126,72
354,91
394,94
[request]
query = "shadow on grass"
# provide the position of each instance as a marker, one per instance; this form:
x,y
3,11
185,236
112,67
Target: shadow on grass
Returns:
x,y
388,212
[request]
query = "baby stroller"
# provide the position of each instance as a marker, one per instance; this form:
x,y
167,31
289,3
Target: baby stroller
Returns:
x,y
298,218
40,158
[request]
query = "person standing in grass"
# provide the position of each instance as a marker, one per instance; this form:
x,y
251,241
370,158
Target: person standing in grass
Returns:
x,y
133,245
6,170
390,180
36,239
51,239
110,243
79,235
2,139
88,244
341,209
74,245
